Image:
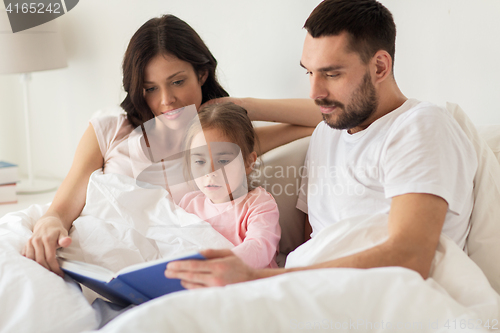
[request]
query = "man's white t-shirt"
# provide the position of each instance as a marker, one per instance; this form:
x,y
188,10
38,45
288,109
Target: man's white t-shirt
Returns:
x,y
417,148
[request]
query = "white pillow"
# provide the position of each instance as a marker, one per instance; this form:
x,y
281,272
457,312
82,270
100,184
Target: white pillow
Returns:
x,y
483,243
279,174
491,133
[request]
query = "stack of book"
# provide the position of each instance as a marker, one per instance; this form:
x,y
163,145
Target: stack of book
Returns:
x,y
8,179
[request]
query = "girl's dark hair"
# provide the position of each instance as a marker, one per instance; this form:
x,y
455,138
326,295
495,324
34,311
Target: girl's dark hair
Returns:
x,y
164,35
233,121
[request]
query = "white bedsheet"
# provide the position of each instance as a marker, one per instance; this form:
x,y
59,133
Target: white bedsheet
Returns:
x,y
123,224
110,233
457,296
31,298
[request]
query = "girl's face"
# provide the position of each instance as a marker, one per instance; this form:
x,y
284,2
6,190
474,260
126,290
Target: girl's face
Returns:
x,y
170,84
218,167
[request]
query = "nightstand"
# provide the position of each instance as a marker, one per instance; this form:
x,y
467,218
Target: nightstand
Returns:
x,y
26,200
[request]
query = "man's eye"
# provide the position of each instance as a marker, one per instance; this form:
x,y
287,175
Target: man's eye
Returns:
x,y
332,75
308,73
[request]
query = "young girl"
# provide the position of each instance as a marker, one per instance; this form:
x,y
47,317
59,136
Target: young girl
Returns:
x,y
219,158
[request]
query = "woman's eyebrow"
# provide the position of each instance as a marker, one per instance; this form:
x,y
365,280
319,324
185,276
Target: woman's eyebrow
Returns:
x,y
171,76
168,78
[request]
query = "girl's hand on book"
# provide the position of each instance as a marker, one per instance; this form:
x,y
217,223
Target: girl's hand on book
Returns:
x,y
49,234
222,267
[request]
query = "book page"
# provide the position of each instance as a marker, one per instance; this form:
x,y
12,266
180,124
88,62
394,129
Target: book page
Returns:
x,y
152,263
91,271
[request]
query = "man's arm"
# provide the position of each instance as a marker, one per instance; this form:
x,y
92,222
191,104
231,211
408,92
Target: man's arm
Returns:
x,y
415,224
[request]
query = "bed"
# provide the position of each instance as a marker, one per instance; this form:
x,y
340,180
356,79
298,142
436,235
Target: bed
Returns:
x,y
461,294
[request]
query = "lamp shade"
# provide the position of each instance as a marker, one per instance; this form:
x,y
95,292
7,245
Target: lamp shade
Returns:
x,y
36,49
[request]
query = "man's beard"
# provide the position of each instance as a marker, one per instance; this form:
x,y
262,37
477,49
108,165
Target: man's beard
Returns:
x,y
362,105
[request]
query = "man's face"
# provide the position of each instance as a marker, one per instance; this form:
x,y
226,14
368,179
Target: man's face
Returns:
x,y
341,83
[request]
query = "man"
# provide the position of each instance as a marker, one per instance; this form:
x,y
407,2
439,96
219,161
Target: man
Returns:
x,y
388,154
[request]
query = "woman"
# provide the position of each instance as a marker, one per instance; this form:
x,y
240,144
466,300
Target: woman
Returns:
x,y
166,67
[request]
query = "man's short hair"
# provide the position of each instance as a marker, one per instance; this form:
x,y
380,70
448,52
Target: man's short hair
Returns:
x,y
369,24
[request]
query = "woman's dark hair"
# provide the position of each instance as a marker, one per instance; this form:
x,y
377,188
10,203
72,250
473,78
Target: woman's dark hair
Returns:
x,y
368,23
164,35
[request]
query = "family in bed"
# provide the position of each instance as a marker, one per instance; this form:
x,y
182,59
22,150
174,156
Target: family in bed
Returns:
x,y
376,151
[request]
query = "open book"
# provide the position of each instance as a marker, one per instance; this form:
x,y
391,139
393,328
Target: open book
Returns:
x,y
135,284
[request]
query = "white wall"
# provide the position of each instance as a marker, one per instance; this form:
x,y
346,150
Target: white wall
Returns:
x,y
449,50
446,50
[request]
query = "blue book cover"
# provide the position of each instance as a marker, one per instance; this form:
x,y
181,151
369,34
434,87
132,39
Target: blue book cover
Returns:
x,y
135,284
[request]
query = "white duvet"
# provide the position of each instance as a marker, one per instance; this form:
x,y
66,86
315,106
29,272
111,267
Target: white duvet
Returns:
x,y
110,233
114,233
457,296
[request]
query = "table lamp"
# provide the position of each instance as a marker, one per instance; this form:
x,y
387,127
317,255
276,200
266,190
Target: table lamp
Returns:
x,y
36,49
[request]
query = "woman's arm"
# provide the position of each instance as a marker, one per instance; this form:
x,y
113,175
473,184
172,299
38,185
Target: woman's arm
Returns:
x,y
270,137
294,111
51,230
298,116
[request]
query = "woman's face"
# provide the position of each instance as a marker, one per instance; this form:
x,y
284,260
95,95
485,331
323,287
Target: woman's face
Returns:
x,y
171,84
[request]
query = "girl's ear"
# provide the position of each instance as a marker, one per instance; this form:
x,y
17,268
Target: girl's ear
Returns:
x,y
203,77
251,159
